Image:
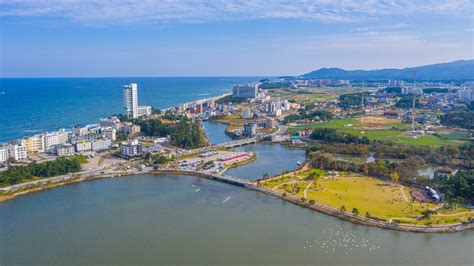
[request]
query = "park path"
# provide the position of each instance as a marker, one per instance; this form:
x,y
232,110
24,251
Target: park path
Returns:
x,y
291,182
309,185
403,194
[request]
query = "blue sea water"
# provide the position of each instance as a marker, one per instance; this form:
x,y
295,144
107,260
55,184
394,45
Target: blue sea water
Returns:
x,y
32,105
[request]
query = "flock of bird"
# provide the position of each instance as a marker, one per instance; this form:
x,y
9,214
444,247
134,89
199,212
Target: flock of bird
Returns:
x,y
338,239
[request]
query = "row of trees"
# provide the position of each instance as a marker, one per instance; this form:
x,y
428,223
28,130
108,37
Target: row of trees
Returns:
x,y
305,114
330,135
332,142
183,133
19,174
403,171
463,119
350,100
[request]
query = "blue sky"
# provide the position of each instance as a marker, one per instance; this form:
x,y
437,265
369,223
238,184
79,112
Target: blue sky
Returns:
x,y
57,38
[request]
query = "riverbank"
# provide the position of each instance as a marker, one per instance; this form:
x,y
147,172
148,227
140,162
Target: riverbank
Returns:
x,y
14,191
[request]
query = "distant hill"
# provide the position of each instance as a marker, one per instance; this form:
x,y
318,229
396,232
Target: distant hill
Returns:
x,y
457,70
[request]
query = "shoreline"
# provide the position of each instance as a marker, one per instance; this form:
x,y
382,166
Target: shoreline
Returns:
x,y
254,186
215,98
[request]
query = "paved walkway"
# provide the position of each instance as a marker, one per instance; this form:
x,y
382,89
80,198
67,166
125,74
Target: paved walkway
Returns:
x,y
304,192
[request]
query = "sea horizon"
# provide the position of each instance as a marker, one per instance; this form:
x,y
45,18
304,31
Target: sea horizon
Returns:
x,y
33,105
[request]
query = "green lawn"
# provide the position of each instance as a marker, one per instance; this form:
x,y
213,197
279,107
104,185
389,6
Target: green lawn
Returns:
x,y
391,132
380,198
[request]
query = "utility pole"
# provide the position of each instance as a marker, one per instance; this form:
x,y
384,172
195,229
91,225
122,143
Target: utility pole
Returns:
x,y
363,109
414,99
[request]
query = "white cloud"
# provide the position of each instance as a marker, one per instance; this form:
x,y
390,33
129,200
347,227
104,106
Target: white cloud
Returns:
x,y
163,11
384,41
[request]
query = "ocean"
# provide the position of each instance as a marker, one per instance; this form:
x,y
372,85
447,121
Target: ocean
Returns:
x,y
32,105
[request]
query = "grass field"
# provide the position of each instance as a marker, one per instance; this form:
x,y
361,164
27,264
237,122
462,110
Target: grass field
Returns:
x,y
380,199
381,129
312,95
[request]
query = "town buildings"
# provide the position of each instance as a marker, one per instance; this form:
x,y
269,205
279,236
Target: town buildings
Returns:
x,y
246,114
250,129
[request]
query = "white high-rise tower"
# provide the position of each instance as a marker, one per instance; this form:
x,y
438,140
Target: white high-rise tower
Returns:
x,y
130,100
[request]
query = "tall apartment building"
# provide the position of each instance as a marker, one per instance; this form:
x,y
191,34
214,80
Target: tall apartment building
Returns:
x,y
54,138
245,91
130,100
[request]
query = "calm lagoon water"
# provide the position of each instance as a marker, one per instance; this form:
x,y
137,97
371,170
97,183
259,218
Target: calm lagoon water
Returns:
x,y
271,159
215,132
164,219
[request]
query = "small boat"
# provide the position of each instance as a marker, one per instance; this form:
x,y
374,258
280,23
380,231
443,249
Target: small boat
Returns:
x,y
299,163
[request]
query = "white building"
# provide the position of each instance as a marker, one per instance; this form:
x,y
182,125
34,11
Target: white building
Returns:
x,y
245,91
54,138
130,100
101,144
83,146
144,110
15,151
131,149
109,133
3,155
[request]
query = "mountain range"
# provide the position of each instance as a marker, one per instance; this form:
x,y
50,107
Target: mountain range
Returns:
x,y
456,70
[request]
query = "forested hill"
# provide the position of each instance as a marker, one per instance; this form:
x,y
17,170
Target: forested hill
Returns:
x,y
457,70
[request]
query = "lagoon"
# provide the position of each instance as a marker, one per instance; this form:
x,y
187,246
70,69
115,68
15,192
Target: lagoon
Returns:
x,y
165,219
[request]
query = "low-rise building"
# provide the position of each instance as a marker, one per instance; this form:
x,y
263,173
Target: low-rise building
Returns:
x,y
101,144
63,149
109,133
130,129
83,146
131,149
144,110
113,122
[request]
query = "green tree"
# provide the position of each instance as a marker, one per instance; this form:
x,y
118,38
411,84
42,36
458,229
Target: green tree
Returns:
x,y
355,211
